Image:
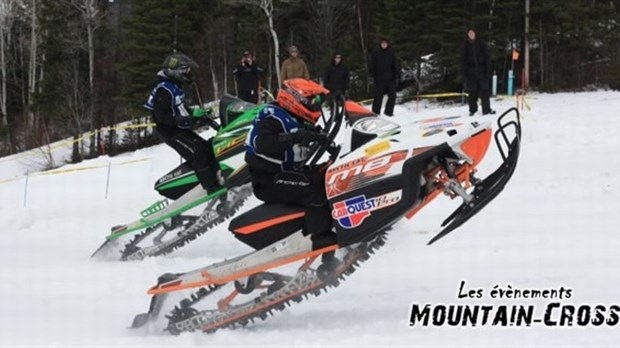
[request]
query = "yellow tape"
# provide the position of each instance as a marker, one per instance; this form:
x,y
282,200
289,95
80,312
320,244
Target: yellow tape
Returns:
x,y
9,180
78,169
137,160
60,171
142,125
65,143
441,95
68,170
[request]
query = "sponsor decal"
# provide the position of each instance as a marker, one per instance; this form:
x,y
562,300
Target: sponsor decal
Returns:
x,y
351,212
442,125
229,144
435,119
339,178
377,148
292,183
433,132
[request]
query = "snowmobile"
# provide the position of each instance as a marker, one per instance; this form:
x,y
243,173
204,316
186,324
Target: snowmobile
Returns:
x,y
391,171
162,227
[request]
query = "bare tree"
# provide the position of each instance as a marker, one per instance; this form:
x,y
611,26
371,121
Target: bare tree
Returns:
x,y
75,106
358,15
32,66
327,26
267,6
91,20
213,75
7,13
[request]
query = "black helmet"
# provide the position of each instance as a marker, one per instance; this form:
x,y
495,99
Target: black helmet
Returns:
x,y
178,67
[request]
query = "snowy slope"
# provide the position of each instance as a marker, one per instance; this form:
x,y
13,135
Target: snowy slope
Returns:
x,y
555,225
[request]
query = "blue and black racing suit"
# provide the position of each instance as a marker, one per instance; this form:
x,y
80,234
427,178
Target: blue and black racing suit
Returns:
x,y
174,125
276,151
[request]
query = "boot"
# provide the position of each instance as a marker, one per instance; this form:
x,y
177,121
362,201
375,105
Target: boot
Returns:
x,y
324,239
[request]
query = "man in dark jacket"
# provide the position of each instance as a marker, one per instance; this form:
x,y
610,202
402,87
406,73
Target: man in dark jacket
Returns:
x,y
174,122
476,72
336,77
384,70
248,75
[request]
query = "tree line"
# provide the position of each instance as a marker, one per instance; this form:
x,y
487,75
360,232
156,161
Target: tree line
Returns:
x,y
70,66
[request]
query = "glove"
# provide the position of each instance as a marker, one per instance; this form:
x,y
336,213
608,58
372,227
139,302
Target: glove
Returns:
x,y
198,112
305,137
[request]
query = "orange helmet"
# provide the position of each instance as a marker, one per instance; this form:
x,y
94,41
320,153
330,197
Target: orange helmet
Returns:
x,y
302,98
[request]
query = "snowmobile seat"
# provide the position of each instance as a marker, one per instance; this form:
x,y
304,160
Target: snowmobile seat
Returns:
x,y
267,223
177,182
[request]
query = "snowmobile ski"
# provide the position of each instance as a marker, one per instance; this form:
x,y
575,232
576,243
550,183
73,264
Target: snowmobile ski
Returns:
x,y
156,213
486,190
183,228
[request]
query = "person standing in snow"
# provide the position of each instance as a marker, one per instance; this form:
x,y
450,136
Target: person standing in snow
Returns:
x,y
294,67
248,75
384,70
476,72
336,78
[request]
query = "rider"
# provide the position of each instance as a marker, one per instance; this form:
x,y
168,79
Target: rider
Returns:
x,y
277,149
174,121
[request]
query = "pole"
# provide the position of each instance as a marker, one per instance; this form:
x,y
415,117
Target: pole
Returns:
x,y
174,39
494,84
26,188
107,181
512,68
526,53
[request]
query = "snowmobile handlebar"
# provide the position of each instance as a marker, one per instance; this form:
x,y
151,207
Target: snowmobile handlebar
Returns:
x,y
332,127
211,122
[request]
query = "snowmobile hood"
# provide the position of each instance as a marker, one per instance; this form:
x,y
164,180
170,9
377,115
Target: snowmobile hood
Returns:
x,y
467,137
417,134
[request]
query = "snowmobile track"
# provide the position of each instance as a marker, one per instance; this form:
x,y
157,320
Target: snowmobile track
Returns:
x,y
191,319
195,224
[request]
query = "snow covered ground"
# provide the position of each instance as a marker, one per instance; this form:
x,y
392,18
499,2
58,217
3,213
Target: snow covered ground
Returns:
x,y
555,226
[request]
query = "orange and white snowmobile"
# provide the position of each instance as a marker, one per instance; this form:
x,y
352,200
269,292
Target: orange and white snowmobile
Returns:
x,y
390,172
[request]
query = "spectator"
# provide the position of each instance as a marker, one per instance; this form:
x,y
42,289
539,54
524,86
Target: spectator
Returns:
x,y
248,75
384,70
337,76
476,72
294,67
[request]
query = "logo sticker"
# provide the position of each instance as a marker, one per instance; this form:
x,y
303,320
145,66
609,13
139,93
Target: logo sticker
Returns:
x,y
354,174
352,212
441,125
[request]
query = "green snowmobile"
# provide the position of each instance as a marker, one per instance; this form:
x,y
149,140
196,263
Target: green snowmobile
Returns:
x,y
162,227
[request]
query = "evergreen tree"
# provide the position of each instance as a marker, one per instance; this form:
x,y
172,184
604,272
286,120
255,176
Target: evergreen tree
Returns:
x,y
153,30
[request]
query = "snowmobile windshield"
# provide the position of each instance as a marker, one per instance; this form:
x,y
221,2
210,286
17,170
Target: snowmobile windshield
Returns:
x,y
241,107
